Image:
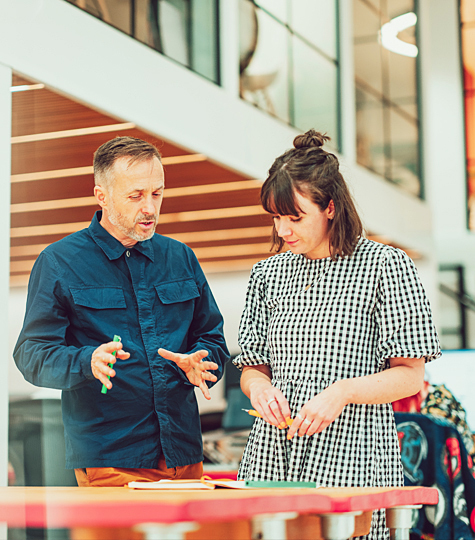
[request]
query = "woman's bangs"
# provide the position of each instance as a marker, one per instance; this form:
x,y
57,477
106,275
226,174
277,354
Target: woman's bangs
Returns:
x,y
278,196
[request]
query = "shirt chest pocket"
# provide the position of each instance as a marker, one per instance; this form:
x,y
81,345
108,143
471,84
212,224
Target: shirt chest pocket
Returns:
x,y
176,304
102,311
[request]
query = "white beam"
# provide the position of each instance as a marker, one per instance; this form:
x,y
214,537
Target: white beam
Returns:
x,y
229,45
442,118
5,161
347,81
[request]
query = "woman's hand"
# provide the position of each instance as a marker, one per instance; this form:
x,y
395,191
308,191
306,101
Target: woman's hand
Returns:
x,y
319,412
268,400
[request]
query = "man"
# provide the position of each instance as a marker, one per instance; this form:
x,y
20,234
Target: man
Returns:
x,y
118,277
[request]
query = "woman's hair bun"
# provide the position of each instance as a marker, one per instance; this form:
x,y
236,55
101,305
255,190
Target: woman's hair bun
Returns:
x,y
311,139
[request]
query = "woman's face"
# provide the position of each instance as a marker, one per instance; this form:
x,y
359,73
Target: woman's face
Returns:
x,y
308,233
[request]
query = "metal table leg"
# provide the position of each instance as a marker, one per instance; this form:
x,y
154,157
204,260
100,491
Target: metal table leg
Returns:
x,y
399,521
338,526
271,526
165,531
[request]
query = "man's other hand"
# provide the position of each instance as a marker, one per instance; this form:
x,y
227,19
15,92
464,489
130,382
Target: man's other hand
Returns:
x,y
102,357
195,370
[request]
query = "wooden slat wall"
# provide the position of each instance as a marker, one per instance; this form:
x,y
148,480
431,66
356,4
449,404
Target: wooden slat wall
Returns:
x,y
52,183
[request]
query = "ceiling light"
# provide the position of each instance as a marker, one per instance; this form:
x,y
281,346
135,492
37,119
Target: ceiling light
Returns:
x,y
25,87
389,31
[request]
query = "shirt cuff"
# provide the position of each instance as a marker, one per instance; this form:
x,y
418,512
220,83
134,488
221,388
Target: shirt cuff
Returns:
x,y
85,361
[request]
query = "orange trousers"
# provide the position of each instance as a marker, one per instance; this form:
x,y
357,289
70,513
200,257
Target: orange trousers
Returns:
x,y
118,477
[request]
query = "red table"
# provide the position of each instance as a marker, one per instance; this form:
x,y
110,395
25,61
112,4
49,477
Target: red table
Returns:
x,y
71,507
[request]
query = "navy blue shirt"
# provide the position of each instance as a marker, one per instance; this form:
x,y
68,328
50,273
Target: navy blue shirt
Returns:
x,y
85,289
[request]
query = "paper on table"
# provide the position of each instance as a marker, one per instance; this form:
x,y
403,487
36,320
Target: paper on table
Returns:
x,y
190,484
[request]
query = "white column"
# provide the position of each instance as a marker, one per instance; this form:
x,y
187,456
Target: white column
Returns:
x,y
442,119
347,81
5,160
229,45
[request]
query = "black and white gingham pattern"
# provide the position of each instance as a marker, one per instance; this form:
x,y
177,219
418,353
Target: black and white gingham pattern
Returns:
x,y
357,313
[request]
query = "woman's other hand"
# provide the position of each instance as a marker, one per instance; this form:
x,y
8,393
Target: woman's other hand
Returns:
x,y
319,412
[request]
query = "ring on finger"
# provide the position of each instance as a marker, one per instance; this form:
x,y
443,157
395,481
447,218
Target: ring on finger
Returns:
x,y
270,401
299,416
307,421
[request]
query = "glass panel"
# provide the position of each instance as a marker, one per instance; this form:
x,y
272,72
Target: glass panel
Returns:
x,y
204,41
173,21
403,82
399,7
368,67
264,63
316,21
370,144
404,152
375,4
278,8
114,12
315,91
145,27
117,13
185,30
186,33
387,100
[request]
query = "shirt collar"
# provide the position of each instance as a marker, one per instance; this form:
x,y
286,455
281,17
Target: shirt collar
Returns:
x,y
111,246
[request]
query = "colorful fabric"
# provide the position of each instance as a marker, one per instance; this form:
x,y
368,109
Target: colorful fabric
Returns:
x,y
441,402
433,454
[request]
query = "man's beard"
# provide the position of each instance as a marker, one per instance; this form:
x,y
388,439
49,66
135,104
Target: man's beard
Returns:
x,y
120,222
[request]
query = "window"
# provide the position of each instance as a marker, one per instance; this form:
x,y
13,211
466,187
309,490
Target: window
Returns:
x,y
289,61
387,118
184,30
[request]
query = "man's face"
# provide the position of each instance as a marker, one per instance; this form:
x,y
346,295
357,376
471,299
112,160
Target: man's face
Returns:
x,y
132,203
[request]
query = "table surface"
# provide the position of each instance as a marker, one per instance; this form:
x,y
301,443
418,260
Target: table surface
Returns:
x,y
57,507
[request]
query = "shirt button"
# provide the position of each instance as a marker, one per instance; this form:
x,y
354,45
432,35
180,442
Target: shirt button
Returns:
x,y
127,253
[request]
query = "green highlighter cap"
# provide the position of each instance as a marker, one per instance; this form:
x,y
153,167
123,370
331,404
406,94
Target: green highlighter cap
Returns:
x,y
104,387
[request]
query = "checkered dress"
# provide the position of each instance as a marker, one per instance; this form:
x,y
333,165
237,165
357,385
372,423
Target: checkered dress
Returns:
x,y
315,322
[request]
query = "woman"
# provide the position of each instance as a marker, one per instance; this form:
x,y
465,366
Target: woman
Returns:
x,y
332,332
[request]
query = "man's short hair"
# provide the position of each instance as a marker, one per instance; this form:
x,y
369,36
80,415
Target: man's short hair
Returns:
x,y
108,153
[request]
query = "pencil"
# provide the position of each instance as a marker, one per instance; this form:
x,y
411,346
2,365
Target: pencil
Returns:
x,y
253,412
104,387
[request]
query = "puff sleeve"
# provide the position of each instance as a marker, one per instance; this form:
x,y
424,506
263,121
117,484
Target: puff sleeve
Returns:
x,y
254,323
403,313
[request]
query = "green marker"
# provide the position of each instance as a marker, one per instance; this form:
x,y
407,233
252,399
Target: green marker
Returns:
x,y
104,387
279,484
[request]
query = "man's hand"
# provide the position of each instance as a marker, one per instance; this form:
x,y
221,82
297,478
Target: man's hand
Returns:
x,y
102,357
195,370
